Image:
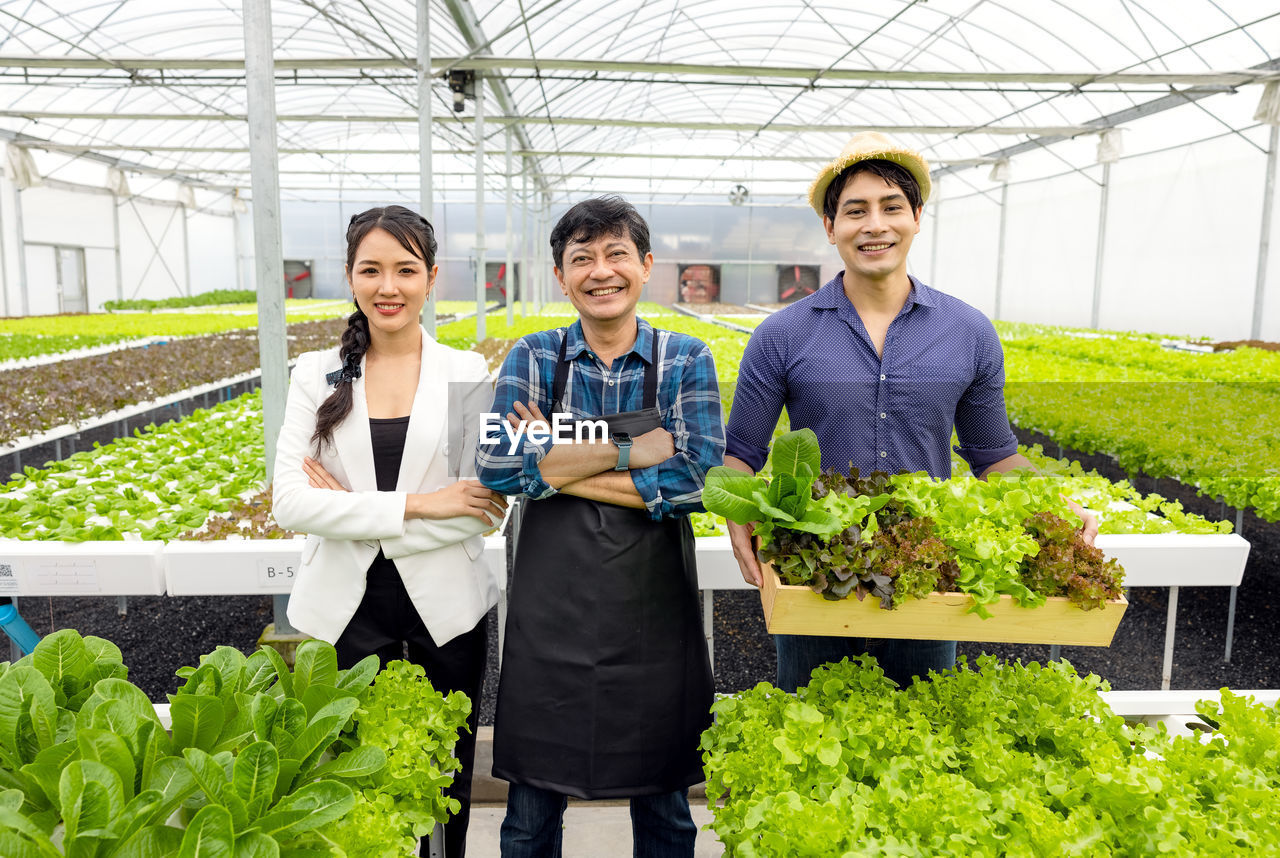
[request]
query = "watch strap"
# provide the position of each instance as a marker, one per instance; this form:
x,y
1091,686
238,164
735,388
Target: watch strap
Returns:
x,y
624,453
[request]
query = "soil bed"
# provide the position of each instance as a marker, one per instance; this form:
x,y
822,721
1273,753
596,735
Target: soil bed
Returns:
x,y
1235,344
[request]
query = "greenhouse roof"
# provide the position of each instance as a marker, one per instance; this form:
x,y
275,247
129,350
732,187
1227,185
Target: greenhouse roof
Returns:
x,y
660,100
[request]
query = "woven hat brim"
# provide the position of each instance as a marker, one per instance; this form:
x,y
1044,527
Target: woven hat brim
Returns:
x,y
910,161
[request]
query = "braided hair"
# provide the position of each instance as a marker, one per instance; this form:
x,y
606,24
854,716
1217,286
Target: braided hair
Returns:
x,y
415,235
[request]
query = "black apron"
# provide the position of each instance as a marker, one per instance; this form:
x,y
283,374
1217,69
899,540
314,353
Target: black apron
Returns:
x,y
605,686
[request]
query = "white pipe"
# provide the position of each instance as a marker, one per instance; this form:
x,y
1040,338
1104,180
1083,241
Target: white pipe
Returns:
x,y
1095,313
1264,243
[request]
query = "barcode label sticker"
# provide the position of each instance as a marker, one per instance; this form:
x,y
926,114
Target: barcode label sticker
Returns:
x,y
8,579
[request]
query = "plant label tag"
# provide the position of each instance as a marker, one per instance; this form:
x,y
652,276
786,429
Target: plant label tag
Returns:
x,y
9,577
70,575
273,573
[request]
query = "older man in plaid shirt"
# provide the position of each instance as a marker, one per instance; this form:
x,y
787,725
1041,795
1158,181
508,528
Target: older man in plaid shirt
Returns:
x,y
606,685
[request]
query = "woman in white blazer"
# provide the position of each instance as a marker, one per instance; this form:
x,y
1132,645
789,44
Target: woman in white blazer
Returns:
x,y
376,436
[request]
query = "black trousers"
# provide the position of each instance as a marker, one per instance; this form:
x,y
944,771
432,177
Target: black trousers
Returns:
x,y
385,624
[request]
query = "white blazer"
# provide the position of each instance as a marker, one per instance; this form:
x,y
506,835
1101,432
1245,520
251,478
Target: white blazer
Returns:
x,y
441,561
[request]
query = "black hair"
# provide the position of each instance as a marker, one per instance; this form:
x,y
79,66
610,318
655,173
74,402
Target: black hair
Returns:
x,y
893,173
415,235
590,219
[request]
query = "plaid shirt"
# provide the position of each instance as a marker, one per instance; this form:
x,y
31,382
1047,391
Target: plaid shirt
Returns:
x,y
688,399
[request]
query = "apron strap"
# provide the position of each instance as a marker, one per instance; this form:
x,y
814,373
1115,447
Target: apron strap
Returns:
x,y
651,375
562,374
563,366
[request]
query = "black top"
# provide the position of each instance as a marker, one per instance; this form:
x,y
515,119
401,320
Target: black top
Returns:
x,y
388,435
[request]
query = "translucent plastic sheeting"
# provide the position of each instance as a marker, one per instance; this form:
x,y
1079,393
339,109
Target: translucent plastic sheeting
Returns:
x,y
760,80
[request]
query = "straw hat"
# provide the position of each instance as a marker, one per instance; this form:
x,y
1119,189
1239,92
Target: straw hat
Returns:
x,y
867,146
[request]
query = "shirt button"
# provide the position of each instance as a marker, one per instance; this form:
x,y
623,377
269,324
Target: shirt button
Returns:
x,y
882,377
883,454
611,384
883,415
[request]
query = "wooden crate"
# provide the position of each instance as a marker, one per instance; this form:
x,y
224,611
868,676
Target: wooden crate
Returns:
x,y
796,610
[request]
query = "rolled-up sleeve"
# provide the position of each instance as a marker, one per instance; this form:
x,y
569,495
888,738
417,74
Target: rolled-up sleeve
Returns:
x,y
758,395
982,423
508,467
696,423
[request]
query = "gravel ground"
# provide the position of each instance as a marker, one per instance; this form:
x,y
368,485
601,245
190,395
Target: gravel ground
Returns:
x,y
160,634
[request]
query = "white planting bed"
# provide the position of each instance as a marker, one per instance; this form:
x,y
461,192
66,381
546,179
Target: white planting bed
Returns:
x,y
267,566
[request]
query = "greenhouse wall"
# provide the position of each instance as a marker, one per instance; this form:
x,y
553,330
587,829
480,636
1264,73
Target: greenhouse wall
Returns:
x,y
1182,239
212,245
1181,246
749,242
968,233
1050,243
69,230
1199,205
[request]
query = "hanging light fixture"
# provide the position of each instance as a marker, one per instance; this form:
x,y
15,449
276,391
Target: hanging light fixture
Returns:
x,y
22,169
1110,146
117,183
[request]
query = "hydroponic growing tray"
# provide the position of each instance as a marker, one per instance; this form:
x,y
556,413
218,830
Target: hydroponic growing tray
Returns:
x,y
795,610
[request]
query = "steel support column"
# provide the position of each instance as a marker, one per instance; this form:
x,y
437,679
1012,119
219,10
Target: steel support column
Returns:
x,y
186,249
1095,312
933,239
425,196
547,262
511,304
535,252
526,264
1264,243
265,169
22,251
479,209
1004,211
538,273
115,228
236,249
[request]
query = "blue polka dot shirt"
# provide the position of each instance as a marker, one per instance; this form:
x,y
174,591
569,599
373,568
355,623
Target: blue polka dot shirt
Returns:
x,y
942,367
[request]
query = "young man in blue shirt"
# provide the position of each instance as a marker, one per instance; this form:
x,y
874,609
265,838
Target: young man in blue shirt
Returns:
x,y
881,367
606,685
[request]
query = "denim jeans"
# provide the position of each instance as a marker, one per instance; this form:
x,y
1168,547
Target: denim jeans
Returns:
x,y
661,825
901,660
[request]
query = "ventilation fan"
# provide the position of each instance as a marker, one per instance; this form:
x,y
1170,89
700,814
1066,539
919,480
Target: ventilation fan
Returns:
x,y
738,195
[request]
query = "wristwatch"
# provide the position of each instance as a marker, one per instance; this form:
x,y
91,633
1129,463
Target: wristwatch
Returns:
x,y
622,441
